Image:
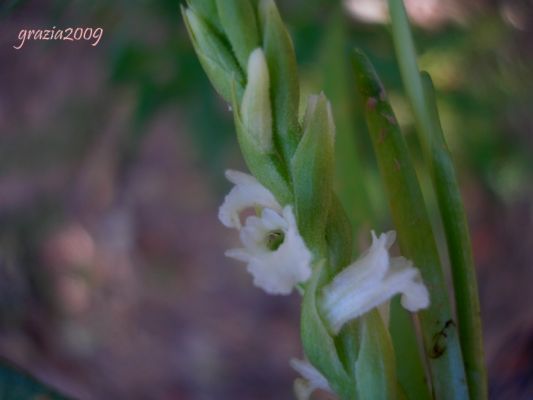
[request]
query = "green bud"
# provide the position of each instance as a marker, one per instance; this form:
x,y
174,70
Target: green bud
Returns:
x,y
240,25
312,172
255,109
281,59
217,60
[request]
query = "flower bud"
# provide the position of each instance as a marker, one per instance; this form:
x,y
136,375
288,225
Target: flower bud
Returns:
x,y
219,64
256,112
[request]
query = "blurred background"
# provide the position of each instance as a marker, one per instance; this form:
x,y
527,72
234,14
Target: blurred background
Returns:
x,y
113,283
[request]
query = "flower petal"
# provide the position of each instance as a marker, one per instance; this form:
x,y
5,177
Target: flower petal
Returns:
x,y
275,271
247,193
372,281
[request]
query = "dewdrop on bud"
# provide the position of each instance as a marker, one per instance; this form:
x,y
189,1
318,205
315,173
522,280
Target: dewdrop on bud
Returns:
x,y
256,111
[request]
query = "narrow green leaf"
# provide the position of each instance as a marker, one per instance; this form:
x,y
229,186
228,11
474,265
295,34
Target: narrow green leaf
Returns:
x,y
312,172
239,22
422,98
285,89
460,251
439,330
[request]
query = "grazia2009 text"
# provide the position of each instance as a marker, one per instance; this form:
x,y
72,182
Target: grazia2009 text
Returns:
x,y
94,35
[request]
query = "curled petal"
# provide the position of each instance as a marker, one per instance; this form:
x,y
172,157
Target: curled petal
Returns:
x,y
247,193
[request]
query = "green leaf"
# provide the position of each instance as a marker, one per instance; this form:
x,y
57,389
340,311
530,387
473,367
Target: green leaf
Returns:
x,y
285,89
439,330
438,159
240,25
312,172
460,252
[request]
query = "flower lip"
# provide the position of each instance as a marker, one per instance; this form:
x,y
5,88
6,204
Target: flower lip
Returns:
x,y
371,281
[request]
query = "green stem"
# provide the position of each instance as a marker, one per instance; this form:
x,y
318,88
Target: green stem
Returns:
x,y
422,98
416,237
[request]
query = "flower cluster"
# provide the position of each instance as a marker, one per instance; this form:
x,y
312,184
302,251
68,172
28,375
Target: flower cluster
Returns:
x,y
278,259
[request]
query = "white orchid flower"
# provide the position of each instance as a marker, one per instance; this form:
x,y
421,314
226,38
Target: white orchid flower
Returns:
x,y
276,254
311,380
371,281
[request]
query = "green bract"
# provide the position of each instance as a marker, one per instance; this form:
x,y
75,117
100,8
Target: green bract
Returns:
x,y
312,172
285,88
239,23
218,62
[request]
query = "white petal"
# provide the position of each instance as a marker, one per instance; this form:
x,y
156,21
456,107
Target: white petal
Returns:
x,y
416,296
238,254
312,379
278,271
364,273
247,193
370,282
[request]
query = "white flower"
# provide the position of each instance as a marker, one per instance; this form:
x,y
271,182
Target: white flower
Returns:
x,y
276,254
312,379
371,281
